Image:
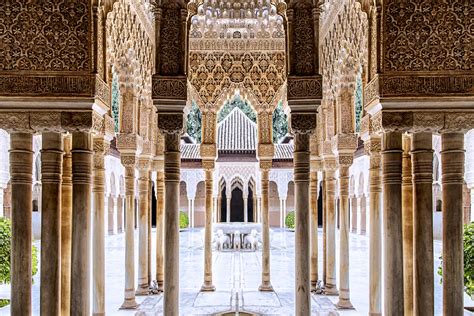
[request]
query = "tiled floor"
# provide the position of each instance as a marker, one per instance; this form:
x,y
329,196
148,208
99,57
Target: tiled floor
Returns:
x,y
236,277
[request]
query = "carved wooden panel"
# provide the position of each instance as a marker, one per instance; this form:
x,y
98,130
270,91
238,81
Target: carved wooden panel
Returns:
x,y
425,35
48,35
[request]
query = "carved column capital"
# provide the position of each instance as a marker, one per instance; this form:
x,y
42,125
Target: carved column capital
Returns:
x,y
265,151
171,123
208,165
303,123
208,151
265,165
100,148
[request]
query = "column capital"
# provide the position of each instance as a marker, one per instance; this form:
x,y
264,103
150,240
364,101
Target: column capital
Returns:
x,y
265,151
143,163
171,123
129,161
265,165
329,164
208,165
303,123
344,143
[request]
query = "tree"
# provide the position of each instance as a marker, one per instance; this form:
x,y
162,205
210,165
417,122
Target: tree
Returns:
x,y
237,102
280,123
193,124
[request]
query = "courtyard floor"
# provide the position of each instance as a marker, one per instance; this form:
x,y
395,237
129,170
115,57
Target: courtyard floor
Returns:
x,y
237,277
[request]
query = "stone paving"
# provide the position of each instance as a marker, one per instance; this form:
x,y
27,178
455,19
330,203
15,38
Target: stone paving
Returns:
x,y
236,276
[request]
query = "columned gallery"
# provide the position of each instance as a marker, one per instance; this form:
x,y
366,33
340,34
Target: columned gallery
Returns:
x,y
217,157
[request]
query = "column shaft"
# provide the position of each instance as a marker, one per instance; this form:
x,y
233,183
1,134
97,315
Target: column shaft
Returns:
x,y
246,210
407,213
51,169
422,166
375,227
323,197
314,230
172,178
81,223
330,287
452,159
354,214
160,195
143,285
129,293
66,226
110,217
363,214
120,214
266,283
98,235
208,286
21,172
228,208
302,224
392,223
344,292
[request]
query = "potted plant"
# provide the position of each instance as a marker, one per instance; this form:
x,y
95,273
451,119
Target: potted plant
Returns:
x,y
290,221
468,246
183,220
5,251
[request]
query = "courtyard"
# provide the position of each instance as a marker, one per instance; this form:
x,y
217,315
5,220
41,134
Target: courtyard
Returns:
x,y
237,277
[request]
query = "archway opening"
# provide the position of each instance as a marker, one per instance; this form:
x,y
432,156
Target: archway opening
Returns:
x,y
237,206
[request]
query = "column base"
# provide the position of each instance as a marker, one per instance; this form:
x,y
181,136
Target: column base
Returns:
x,y
317,287
331,290
266,287
159,285
208,287
142,290
344,304
129,303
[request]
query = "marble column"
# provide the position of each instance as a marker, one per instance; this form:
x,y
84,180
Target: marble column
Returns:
x,y
314,230
323,197
363,214
214,210
452,160
51,169
392,223
98,242
228,207
66,226
344,293
192,212
160,226
149,232
302,224
207,285
172,178
422,167
119,214
21,173
266,284
143,181
281,213
110,214
81,223
330,203
246,209
373,148
353,201
129,162
407,228
189,212
219,208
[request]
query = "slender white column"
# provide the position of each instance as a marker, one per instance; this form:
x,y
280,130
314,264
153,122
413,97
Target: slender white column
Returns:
x,y
314,230
143,181
192,212
66,226
160,226
392,223
266,283
373,147
98,248
81,223
189,212
228,210
246,210
207,285
281,212
344,292
129,163
51,165
452,159
330,183
110,214
21,168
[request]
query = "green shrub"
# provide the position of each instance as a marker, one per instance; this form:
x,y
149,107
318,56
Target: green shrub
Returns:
x,y
4,302
5,250
290,220
468,246
183,220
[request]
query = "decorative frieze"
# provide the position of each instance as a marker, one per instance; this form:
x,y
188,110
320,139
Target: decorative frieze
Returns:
x,y
169,88
304,88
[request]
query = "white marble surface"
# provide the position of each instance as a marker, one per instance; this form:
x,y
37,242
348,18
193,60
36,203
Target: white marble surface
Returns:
x,y
237,277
